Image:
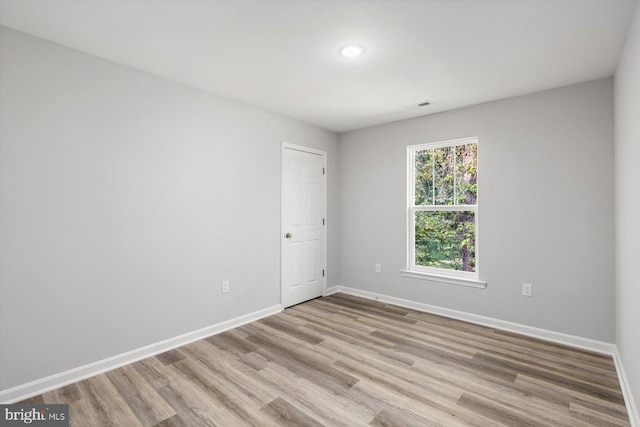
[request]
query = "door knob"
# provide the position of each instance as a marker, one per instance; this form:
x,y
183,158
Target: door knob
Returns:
x,y
288,235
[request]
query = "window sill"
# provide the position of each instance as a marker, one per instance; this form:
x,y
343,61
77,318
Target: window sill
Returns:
x,y
444,279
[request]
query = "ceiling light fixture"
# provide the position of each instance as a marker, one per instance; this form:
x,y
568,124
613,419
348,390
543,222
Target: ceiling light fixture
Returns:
x,y
351,51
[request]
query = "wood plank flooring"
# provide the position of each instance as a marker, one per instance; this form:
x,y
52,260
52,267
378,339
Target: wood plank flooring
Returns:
x,y
347,361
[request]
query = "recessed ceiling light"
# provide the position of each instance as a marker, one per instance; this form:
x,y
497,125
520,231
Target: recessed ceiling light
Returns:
x,y
351,51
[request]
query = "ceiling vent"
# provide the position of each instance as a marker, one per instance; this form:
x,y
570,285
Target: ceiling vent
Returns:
x,y
412,106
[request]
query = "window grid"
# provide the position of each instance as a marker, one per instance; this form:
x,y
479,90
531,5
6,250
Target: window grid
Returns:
x,y
455,206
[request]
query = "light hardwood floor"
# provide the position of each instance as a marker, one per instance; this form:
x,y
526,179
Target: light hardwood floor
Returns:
x,y
347,361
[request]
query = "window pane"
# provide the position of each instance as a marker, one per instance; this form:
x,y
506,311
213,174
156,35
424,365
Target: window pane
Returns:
x,y
443,165
466,174
424,178
446,240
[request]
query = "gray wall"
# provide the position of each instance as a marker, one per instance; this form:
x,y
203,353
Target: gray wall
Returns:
x,y
125,200
546,212
627,155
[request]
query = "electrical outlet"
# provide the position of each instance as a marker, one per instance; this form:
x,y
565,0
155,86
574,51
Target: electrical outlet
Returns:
x,y
377,268
527,289
225,286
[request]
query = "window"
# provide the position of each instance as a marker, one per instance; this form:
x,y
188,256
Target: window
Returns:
x,y
443,212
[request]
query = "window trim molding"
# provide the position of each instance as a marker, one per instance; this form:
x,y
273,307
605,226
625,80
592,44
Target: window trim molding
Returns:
x,y
472,283
431,273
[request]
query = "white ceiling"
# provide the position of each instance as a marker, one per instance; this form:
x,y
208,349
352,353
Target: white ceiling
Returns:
x,y
283,55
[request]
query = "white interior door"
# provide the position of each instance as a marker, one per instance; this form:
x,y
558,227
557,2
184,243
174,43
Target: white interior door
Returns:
x,y
303,224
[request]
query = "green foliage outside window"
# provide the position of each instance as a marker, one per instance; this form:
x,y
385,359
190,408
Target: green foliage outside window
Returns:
x,y
446,240
446,176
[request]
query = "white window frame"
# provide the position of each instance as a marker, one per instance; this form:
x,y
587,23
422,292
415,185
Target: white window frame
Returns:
x,y
465,278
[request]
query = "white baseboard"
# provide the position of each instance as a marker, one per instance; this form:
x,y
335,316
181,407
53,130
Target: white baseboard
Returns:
x,y
34,388
544,334
547,335
332,290
632,410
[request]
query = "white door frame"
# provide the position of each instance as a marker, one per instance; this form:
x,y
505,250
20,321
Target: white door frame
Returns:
x,y
289,146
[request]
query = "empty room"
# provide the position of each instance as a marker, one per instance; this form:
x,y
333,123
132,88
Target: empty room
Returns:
x,y
319,213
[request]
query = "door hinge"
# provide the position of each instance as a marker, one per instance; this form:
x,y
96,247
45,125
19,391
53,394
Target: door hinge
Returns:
x,y
322,171
322,273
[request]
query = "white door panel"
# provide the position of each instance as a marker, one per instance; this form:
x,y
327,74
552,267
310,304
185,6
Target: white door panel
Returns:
x,y
303,224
